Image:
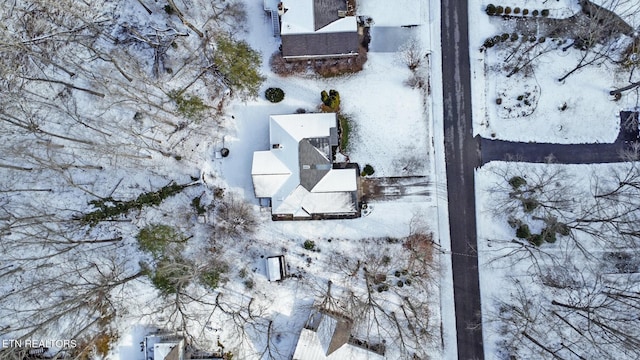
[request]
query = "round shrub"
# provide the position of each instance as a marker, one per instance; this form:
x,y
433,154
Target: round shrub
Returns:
x,y
499,10
525,12
491,9
542,39
507,10
536,239
544,12
516,10
504,37
535,13
275,95
309,245
523,232
488,43
499,101
368,170
514,37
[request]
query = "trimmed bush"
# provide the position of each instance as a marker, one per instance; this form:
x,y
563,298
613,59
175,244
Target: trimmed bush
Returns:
x,y
499,10
523,232
535,13
549,235
367,170
491,9
525,11
309,245
504,37
499,101
529,205
514,37
275,95
331,99
536,239
516,10
542,39
544,12
517,181
507,10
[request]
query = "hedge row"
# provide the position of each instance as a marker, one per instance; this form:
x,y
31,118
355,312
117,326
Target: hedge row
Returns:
x,y
493,10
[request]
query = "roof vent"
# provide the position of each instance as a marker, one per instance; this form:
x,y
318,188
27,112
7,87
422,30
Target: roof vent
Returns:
x,y
342,13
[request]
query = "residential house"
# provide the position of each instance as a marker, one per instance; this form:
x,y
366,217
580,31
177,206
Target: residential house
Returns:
x,y
327,335
316,29
298,178
164,347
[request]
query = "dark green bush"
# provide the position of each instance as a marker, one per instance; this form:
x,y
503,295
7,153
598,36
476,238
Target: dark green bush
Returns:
x,y
491,9
536,239
544,12
507,10
530,204
331,99
499,10
517,181
367,170
514,37
535,12
549,235
309,245
523,231
275,95
504,37
525,11
516,10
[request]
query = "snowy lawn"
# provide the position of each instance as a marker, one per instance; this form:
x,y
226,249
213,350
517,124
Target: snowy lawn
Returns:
x,y
577,270
389,131
535,106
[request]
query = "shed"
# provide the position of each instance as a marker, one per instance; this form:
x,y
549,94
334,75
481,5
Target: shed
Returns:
x,y
276,268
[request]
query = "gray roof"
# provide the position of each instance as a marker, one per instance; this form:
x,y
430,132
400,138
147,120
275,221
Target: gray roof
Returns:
x,y
326,11
320,44
313,164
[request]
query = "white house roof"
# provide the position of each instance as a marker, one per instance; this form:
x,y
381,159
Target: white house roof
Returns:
x,y
330,341
296,174
273,268
337,180
300,18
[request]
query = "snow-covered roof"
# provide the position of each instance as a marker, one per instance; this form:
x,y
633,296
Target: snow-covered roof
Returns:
x,y
296,172
315,16
273,268
330,340
160,347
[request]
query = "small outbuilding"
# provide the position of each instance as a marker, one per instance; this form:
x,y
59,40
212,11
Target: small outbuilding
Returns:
x,y
276,268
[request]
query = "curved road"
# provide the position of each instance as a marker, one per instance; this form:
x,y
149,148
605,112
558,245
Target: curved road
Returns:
x,y
461,155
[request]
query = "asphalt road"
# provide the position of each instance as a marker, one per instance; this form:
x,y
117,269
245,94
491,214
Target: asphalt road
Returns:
x,y
540,152
461,155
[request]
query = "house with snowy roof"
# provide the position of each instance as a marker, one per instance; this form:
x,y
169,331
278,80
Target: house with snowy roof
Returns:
x,y
164,347
327,335
316,29
298,178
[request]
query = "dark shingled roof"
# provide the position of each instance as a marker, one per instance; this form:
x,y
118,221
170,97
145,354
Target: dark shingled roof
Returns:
x,y
320,44
313,164
326,11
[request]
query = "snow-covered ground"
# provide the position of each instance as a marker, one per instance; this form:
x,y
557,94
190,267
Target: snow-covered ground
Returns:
x,y
391,129
576,110
539,108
